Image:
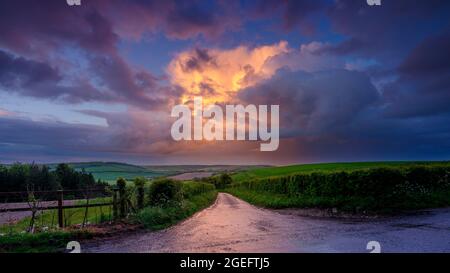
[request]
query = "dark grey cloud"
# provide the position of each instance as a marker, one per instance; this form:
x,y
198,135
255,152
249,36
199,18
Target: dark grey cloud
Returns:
x,y
294,14
348,46
39,33
116,82
429,57
128,136
339,115
40,80
37,27
17,72
134,87
389,30
134,131
30,26
423,84
315,103
45,134
189,18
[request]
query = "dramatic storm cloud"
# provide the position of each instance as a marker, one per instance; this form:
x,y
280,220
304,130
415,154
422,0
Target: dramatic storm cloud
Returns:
x,y
218,74
98,81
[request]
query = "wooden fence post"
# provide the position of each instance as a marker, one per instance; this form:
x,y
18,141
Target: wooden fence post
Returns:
x,y
123,204
60,209
140,197
115,206
121,185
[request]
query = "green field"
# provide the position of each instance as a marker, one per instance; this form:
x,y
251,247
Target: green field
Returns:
x,y
327,167
110,171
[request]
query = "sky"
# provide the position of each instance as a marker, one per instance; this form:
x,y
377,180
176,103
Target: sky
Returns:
x,y
97,82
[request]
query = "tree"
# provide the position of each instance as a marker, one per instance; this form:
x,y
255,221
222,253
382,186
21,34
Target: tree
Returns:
x,y
66,176
165,191
4,181
48,179
34,177
223,181
18,177
18,174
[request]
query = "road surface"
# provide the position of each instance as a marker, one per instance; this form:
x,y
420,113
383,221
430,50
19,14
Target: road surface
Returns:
x,y
232,225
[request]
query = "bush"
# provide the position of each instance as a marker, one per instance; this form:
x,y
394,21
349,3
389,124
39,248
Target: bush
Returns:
x,y
194,188
223,181
163,216
220,182
164,192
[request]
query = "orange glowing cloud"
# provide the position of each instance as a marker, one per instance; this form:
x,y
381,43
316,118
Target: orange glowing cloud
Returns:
x,y
218,74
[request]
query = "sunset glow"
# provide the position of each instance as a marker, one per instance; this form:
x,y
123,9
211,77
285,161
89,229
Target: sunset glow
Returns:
x,y
218,74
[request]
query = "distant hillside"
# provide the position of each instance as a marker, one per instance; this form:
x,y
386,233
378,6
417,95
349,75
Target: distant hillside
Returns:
x,y
203,168
110,171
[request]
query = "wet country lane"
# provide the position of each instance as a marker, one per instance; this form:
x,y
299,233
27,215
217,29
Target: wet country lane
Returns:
x,y
232,225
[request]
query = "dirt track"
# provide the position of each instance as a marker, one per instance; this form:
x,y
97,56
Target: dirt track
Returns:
x,y
232,225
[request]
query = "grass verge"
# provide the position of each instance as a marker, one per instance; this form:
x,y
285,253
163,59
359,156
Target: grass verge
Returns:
x,y
156,218
44,242
358,205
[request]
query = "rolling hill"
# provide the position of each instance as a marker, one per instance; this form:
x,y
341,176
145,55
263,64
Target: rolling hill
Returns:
x,y
110,171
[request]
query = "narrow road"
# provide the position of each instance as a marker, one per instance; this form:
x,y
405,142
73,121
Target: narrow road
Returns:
x,y
232,225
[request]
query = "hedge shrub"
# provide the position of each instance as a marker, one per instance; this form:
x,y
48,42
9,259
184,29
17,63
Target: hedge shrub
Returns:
x,y
190,189
378,183
164,192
